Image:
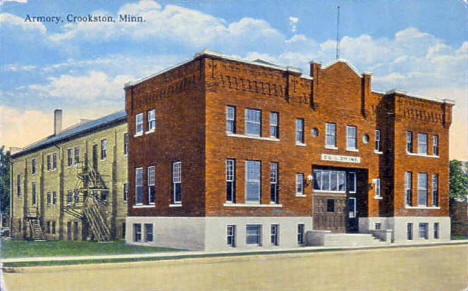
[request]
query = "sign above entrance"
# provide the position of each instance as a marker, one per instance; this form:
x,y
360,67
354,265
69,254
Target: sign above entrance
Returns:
x,y
343,159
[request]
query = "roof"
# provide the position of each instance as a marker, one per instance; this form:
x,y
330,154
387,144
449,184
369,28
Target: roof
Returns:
x,y
74,131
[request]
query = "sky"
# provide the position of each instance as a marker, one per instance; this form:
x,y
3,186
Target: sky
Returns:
x,y
418,46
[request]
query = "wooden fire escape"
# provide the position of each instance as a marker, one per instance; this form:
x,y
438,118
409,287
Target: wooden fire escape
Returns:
x,y
34,225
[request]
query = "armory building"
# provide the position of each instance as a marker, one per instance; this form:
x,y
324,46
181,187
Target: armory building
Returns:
x,y
229,153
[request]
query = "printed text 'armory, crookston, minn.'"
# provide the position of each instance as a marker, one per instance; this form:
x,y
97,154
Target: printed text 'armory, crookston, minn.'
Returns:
x,y
71,18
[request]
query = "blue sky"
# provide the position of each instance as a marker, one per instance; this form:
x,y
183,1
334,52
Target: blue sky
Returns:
x,y
417,46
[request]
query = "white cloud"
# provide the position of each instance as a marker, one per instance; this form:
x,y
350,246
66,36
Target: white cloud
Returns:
x,y
18,1
292,22
7,19
18,68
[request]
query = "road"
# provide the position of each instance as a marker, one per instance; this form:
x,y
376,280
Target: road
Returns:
x,y
407,268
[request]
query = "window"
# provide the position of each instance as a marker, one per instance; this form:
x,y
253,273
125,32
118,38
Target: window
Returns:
x,y
408,188
230,119
377,187
136,232
54,197
299,184
435,190
139,124
231,180
69,157
176,182
378,225
300,233
331,180
436,230
253,123
422,189
409,231
330,205
54,161
123,230
253,234
352,182
77,155
103,149
423,230
49,198
351,138
33,166
330,134
148,232
49,163
252,177
274,182
125,143
53,227
18,185
377,141
138,186
33,189
151,120
435,145
299,130
422,143
69,197
48,226
274,125
104,194
125,192
231,235
274,234
409,141
151,184
77,196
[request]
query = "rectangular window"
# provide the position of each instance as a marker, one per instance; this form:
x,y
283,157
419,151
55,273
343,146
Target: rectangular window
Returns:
x,y
151,184
252,181
300,233
53,227
352,182
274,234
138,186
49,198
408,188
33,188
54,161
231,180
409,231
422,143
378,225
435,145
332,180
435,190
176,182
136,232
274,182
151,120
422,189
69,197
330,205
351,137
274,125
230,119
148,232
125,192
54,197
33,166
77,155
69,157
253,234
299,130
377,187
139,124
423,230
436,230
299,184
103,149
123,230
409,141
18,185
49,163
377,141
253,122
330,134
48,226
231,235
77,196
125,143
104,194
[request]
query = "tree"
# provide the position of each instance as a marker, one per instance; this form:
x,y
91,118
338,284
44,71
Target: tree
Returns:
x,y
458,181
4,181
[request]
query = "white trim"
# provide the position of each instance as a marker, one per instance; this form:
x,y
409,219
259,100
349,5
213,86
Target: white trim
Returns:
x,y
421,207
330,147
422,155
355,70
378,197
424,98
175,205
252,136
149,131
378,152
138,134
330,191
352,149
227,204
143,206
301,144
301,195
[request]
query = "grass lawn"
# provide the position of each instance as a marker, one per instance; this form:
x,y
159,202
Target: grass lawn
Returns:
x,y
459,237
21,248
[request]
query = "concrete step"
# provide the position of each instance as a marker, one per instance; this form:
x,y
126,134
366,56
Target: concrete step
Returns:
x,y
348,239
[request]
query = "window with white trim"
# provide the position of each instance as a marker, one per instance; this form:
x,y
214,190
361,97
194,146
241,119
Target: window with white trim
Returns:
x,y
377,187
139,124
151,115
177,182
435,145
252,181
231,180
409,141
138,186
274,234
253,234
151,184
330,134
422,143
351,137
377,141
136,232
230,119
300,233
69,157
231,235
274,182
422,189
253,122
352,182
103,149
274,124
435,190
423,230
330,180
148,232
299,130
409,188
125,149
299,184
77,155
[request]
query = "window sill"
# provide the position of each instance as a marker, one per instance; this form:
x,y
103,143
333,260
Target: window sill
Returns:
x,y
175,205
252,136
329,147
378,152
352,150
251,205
329,191
143,206
422,155
300,195
376,197
149,131
421,207
138,134
300,144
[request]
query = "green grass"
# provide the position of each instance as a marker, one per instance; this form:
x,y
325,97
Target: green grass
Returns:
x,y
21,248
459,237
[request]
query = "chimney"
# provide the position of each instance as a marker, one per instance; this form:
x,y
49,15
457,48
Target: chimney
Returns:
x,y
57,121
365,91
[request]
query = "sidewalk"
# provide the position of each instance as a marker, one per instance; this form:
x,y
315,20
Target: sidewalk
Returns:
x,y
195,254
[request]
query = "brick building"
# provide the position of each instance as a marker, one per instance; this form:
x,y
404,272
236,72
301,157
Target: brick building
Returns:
x,y
55,180
226,152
